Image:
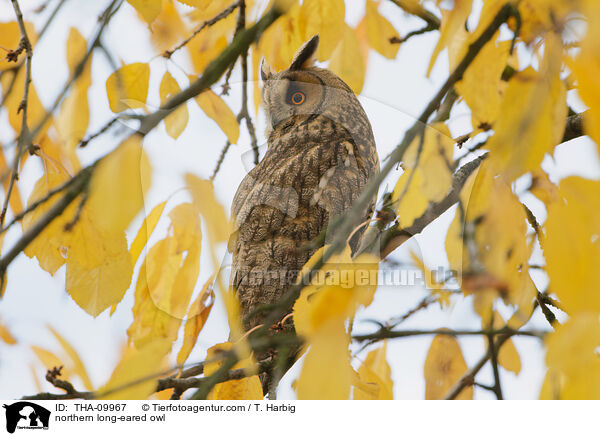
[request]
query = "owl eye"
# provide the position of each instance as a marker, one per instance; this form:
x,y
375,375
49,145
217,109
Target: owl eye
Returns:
x,y
298,97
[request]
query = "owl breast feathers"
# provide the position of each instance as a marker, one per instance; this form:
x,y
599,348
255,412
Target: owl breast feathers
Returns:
x,y
321,154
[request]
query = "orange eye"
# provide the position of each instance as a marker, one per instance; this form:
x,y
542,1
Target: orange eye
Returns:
x,y
298,97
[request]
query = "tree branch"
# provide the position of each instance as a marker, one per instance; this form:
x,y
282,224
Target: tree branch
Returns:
x,y
24,134
389,333
220,16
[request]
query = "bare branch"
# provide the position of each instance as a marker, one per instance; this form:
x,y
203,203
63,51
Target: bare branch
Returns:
x,y
24,134
220,16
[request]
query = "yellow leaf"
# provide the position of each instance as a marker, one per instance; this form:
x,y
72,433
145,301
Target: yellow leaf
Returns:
x,y
78,366
325,19
587,69
167,279
6,335
573,256
532,117
215,108
76,51
326,372
196,318
452,21
444,366
48,358
168,29
347,60
502,247
411,201
35,110
204,198
433,162
148,9
74,116
480,85
175,122
508,356
98,266
49,247
209,43
134,377
336,291
379,31
248,388
127,87
145,231
572,353
375,370
543,188
118,185
10,36
283,38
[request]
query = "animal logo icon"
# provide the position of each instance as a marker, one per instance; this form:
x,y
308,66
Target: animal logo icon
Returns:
x,y
26,415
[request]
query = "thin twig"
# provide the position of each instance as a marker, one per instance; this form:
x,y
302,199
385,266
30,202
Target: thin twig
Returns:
x,y
24,134
388,333
220,16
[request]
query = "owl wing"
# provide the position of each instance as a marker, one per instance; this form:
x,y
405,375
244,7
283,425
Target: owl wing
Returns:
x,y
344,182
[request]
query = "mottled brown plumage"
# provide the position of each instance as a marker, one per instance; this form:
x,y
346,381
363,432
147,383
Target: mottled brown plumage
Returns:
x,y
321,155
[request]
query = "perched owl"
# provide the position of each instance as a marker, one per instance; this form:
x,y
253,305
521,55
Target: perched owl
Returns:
x,y
321,154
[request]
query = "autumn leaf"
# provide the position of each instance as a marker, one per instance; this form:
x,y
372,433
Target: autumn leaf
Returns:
x,y
347,60
134,377
6,336
127,87
175,122
587,69
10,36
508,356
283,38
148,9
168,28
444,366
120,180
532,117
248,388
375,370
573,254
78,366
49,359
99,266
145,231
204,198
407,195
452,21
379,31
196,318
215,108
325,19
572,357
74,115
326,372
167,279
49,247
480,85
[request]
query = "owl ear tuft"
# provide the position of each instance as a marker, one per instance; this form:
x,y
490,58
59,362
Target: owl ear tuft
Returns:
x,y
304,57
265,69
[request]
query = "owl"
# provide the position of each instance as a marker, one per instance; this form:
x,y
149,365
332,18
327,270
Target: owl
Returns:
x,y
321,154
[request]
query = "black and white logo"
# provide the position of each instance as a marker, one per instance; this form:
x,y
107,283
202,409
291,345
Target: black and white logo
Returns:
x,y
26,415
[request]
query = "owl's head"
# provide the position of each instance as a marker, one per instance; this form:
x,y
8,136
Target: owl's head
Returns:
x,y
303,90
